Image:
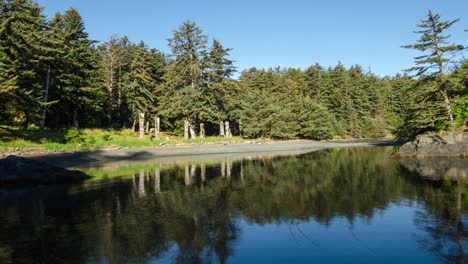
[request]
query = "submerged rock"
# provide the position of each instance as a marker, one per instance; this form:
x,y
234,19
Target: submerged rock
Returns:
x,y
15,170
448,144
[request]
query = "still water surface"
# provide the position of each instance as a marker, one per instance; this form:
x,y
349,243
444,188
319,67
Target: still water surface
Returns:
x,y
333,206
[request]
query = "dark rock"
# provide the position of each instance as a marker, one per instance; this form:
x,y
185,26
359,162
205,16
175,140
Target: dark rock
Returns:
x,y
19,171
449,144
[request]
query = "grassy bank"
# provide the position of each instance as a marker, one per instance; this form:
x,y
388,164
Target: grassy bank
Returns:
x,y
14,140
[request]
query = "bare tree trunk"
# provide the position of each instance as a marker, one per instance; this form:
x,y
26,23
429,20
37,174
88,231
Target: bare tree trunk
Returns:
x,y
157,125
46,97
141,128
147,127
75,118
157,180
119,91
228,130
240,128
192,131
186,129
202,130
448,105
26,120
109,73
221,129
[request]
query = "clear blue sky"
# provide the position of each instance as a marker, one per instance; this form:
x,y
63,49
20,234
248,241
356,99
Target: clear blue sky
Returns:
x,y
269,33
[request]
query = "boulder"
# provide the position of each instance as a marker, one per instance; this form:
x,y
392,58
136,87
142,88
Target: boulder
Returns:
x,y
448,144
19,171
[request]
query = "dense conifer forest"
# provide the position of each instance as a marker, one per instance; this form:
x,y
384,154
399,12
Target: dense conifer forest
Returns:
x,y
53,76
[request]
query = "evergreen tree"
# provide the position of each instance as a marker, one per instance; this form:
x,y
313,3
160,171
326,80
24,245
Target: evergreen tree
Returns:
x,y
184,75
116,57
439,54
143,80
75,78
25,52
218,94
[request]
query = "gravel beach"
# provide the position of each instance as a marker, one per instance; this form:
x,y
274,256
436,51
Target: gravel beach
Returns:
x,y
184,153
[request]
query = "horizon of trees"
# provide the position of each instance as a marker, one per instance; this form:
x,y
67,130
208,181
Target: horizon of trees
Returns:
x,y
53,76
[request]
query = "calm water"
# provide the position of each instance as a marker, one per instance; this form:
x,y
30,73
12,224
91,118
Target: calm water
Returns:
x,y
334,206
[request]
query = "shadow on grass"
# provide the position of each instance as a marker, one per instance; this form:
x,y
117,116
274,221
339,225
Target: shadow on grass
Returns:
x,y
8,134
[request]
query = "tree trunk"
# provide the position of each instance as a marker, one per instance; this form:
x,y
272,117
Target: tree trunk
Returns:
x,y
119,92
186,129
26,120
75,118
147,127
227,130
46,97
134,125
202,130
240,128
221,129
448,105
157,125
192,131
141,127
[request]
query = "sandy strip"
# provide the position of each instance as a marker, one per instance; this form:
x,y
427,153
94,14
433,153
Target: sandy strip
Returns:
x,y
176,153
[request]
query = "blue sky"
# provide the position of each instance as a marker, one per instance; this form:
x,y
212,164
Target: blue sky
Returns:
x,y
294,33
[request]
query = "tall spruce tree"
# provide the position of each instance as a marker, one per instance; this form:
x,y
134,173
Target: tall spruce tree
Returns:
x,y
219,90
75,78
438,54
183,77
143,81
115,58
26,49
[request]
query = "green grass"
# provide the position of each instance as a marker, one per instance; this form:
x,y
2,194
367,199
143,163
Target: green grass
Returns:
x,y
15,140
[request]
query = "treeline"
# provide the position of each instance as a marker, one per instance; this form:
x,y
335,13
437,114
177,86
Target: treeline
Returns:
x,y
53,76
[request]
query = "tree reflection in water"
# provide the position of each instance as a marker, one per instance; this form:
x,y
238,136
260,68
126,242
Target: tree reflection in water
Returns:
x,y
191,212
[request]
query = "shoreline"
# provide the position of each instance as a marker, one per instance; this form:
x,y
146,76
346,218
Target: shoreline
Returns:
x,y
172,153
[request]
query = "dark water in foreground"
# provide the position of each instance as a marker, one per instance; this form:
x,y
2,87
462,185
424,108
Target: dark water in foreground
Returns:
x,y
334,206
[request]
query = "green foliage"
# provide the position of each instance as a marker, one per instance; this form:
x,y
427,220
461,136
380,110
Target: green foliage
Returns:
x,y
72,136
13,139
460,110
108,85
316,103
431,100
